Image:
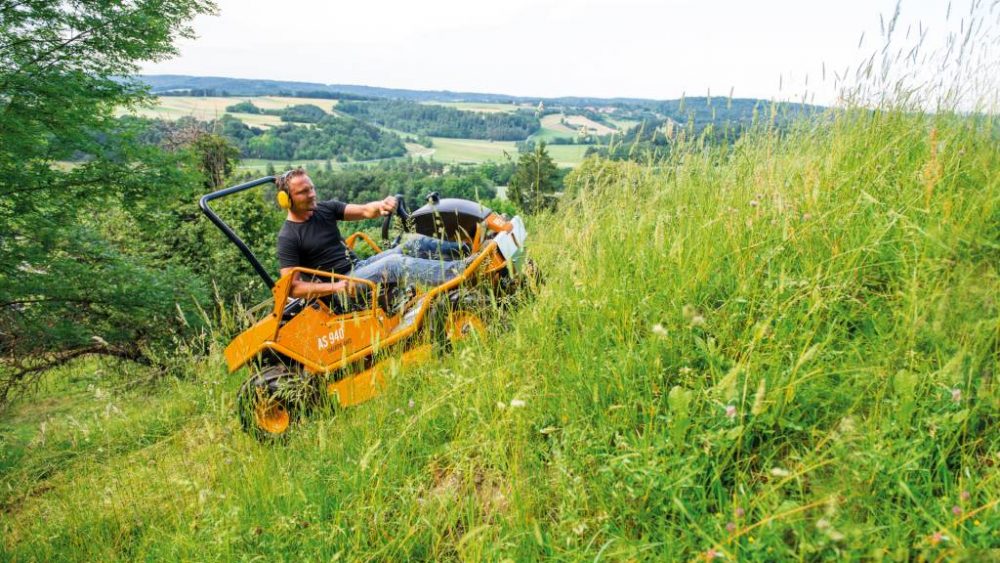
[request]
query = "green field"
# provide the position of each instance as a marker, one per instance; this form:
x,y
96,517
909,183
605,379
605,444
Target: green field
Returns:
x,y
471,151
567,156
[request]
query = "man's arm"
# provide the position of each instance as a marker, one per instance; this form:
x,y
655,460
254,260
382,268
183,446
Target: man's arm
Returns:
x,y
372,210
302,288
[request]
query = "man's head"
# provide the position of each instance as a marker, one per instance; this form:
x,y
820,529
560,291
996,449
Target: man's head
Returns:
x,y
299,187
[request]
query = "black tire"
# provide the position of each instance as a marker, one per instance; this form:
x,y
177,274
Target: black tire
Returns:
x,y
271,400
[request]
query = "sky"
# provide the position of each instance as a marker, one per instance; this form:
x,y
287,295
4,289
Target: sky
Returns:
x,y
772,49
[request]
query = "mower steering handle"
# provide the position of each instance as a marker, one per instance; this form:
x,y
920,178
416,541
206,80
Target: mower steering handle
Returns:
x,y
404,216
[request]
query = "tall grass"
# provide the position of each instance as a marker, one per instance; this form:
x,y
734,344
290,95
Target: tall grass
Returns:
x,y
787,349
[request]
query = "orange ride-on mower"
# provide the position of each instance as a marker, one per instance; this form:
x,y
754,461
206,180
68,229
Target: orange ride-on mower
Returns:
x,y
346,346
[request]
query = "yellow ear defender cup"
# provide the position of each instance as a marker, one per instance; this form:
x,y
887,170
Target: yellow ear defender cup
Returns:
x,y
284,200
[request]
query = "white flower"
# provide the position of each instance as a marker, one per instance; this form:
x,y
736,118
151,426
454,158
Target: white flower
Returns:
x,y
779,472
659,330
516,403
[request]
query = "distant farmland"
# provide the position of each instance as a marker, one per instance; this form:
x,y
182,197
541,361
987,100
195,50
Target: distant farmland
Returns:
x,y
208,108
481,107
458,151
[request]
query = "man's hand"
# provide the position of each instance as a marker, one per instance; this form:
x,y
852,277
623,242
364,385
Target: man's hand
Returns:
x,y
370,210
387,206
342,286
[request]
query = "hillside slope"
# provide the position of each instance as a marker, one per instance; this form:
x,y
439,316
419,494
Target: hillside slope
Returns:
x,y
787,350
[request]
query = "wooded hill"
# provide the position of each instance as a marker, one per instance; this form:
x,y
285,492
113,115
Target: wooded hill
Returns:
x,y
442,121
738,110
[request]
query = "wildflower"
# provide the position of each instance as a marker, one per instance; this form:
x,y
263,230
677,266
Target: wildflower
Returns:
x,y
956,510
965,495
411,404
806,216
739,512
779,472
516,403
685,371
698,320
956,395
730,527
730,411
659,330
711,554
938,537
501,405
754,203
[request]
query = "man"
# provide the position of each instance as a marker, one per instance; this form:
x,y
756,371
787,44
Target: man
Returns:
x,y
310,238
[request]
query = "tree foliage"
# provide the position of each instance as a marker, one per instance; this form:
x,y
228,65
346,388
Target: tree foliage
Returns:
x,y
67,284
246,106
443,121
535,181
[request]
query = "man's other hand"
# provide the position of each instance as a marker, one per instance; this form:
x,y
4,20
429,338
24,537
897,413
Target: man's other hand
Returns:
x,y
342,286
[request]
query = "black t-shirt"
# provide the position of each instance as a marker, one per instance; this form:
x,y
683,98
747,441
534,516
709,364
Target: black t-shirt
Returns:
x,y
316,243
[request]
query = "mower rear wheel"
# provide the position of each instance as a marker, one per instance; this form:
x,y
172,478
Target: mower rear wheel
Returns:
x,y
271,400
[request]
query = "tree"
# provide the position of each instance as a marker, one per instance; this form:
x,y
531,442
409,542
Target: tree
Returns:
x,y
217,158
535,180
68,286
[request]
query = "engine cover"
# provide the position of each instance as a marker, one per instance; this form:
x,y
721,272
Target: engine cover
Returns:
x,y
449,219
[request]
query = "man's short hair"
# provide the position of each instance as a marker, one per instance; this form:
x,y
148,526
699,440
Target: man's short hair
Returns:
x,y
282,180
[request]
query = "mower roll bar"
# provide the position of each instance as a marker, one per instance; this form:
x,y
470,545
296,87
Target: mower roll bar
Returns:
x,y
203,204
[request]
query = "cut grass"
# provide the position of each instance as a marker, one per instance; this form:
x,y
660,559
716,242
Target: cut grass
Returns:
x,y
553,127
593,127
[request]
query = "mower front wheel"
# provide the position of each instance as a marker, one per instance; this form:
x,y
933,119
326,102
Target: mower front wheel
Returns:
x,y
452,321
271,400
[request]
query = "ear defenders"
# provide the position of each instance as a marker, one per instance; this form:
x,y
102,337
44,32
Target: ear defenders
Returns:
x,y
283,197
284,200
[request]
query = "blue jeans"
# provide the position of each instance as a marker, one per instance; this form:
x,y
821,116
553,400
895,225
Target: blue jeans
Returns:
x,y
420,259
